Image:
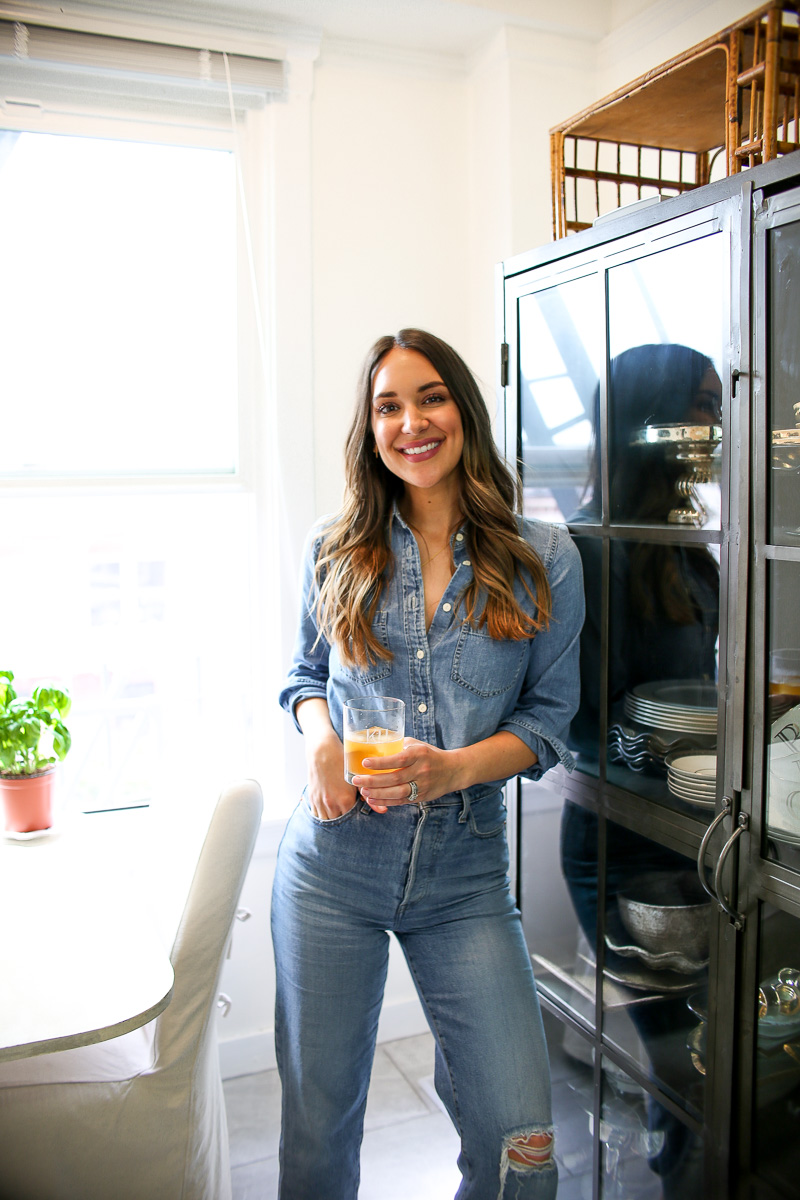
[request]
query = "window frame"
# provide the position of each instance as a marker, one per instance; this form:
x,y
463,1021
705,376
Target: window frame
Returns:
x,y
272,150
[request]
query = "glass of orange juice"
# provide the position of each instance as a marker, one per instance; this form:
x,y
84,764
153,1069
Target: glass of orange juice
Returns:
x,y
374,726
784,673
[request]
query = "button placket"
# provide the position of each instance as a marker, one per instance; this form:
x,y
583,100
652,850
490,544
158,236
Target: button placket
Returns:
x,y
421,711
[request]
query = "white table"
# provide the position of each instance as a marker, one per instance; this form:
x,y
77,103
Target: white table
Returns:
x,y
87,921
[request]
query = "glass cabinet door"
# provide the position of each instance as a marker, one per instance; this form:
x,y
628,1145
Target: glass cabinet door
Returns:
x,y
769,867
666,336
561,351
775,1010
782,725
621,435
654,391
783,401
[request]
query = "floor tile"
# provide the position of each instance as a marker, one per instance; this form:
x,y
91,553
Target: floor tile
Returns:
x,y
253,1104
410,1147
391,1099
256,1181
414,1057
411,1159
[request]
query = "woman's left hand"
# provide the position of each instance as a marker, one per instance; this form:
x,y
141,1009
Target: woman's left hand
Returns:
x,y
434,771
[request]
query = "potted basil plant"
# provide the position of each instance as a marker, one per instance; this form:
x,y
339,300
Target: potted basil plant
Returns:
x,y
33,740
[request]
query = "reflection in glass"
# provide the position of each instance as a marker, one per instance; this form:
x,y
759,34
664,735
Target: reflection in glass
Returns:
x,y
571,1061
665,409
784,396
777,1052
783,714
663,633
562,952
678,295
646,1152
561,355
655,929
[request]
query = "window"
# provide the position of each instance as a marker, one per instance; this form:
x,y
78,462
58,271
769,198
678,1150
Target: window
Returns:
x,y
134,496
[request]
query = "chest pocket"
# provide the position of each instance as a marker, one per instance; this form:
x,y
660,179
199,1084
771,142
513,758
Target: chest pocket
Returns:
x,y
486,666
377,670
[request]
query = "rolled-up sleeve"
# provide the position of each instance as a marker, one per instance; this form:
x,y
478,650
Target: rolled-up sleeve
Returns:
x,y
551,691
308,673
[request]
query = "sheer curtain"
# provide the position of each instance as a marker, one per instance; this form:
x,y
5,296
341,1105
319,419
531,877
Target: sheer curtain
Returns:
x,y
137,483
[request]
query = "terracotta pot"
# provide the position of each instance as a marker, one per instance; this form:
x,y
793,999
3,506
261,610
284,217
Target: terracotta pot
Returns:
x,y
28,801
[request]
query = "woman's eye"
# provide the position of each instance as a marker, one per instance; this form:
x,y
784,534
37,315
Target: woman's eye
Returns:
x,y
384,410
435,399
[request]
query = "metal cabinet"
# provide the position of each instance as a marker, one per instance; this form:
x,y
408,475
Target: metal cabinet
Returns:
x,y
650,370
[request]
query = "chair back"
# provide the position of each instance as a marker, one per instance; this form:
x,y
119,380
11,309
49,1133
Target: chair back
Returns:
x,y
205,927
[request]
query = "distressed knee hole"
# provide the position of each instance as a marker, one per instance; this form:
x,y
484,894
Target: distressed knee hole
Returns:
x,y
526,1152
534,1150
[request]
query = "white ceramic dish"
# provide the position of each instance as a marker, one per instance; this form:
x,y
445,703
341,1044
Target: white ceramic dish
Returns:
x,y
704,765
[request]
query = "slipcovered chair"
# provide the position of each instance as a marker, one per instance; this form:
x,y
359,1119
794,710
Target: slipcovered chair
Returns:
x,y
142,1116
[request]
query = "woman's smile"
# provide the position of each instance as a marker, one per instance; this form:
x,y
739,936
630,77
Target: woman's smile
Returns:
x,y
420,451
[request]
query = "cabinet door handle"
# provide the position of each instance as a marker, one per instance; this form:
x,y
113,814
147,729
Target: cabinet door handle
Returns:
x,y
741,827
701,854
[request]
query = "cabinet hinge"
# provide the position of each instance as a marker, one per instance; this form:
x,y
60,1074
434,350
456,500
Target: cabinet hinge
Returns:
x,y
504,364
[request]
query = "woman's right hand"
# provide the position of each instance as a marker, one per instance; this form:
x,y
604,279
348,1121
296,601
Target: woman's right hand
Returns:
x,y
328,794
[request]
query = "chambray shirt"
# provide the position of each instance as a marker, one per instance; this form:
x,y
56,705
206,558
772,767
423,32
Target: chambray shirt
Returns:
x,y
459,685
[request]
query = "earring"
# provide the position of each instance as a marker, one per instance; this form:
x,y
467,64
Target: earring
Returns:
x,y
375,450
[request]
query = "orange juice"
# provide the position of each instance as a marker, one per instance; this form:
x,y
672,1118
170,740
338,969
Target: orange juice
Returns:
x,y
784,687
374,742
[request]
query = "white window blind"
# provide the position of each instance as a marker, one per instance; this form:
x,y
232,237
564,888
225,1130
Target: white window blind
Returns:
x,y
39,64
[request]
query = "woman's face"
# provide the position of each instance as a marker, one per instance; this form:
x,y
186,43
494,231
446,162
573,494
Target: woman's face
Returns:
x,y
415,420
706,407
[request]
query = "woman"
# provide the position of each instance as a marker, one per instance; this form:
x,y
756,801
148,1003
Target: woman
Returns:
x,y
425,586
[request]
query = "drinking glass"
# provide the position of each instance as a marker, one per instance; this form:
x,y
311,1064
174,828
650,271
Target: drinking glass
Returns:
x,y
374,726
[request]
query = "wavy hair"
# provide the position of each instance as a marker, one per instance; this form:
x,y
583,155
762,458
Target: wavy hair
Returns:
x,y
355,558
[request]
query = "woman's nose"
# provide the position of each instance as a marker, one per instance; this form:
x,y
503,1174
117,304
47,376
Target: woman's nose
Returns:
x,y
414,421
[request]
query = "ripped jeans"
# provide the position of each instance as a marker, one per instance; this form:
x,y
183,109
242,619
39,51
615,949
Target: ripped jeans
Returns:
x,y
436,876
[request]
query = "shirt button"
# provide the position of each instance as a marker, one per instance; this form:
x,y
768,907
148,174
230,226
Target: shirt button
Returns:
x,y
447,607
420,654
467,563
459,537
423,708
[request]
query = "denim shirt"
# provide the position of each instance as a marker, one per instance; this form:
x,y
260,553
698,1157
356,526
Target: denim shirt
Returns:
x,y
459,685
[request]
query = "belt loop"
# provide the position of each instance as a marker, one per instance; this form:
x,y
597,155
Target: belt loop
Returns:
x,y
465,808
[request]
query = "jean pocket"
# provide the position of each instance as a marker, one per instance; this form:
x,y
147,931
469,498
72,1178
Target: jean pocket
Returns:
x,y
487,666
487,817
331,821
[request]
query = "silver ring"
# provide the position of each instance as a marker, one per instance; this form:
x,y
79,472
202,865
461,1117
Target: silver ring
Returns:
x,y
412,795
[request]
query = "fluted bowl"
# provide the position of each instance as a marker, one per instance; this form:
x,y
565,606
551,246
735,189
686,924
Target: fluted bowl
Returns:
x,y
667,911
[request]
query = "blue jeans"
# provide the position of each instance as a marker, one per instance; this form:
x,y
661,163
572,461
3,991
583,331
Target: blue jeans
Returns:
x,y
436,876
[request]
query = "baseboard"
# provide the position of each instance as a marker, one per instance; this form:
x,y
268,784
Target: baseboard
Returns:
x,y
249,1055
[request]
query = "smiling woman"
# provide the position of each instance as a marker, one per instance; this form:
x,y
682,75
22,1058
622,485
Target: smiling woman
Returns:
x,y
426,588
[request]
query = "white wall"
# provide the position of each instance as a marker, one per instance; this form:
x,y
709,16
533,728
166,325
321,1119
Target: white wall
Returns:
x,y
400,181
644,35
390,220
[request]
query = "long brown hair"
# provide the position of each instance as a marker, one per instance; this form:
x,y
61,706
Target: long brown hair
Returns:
x,y
355,556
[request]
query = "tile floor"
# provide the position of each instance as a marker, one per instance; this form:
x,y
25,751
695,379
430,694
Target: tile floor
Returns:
x,y
410,1147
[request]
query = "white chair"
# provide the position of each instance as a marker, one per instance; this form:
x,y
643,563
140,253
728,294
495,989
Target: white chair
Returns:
x,y
141,1117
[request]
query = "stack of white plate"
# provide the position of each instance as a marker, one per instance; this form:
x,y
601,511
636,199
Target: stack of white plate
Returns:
x,y
693,777
687,705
